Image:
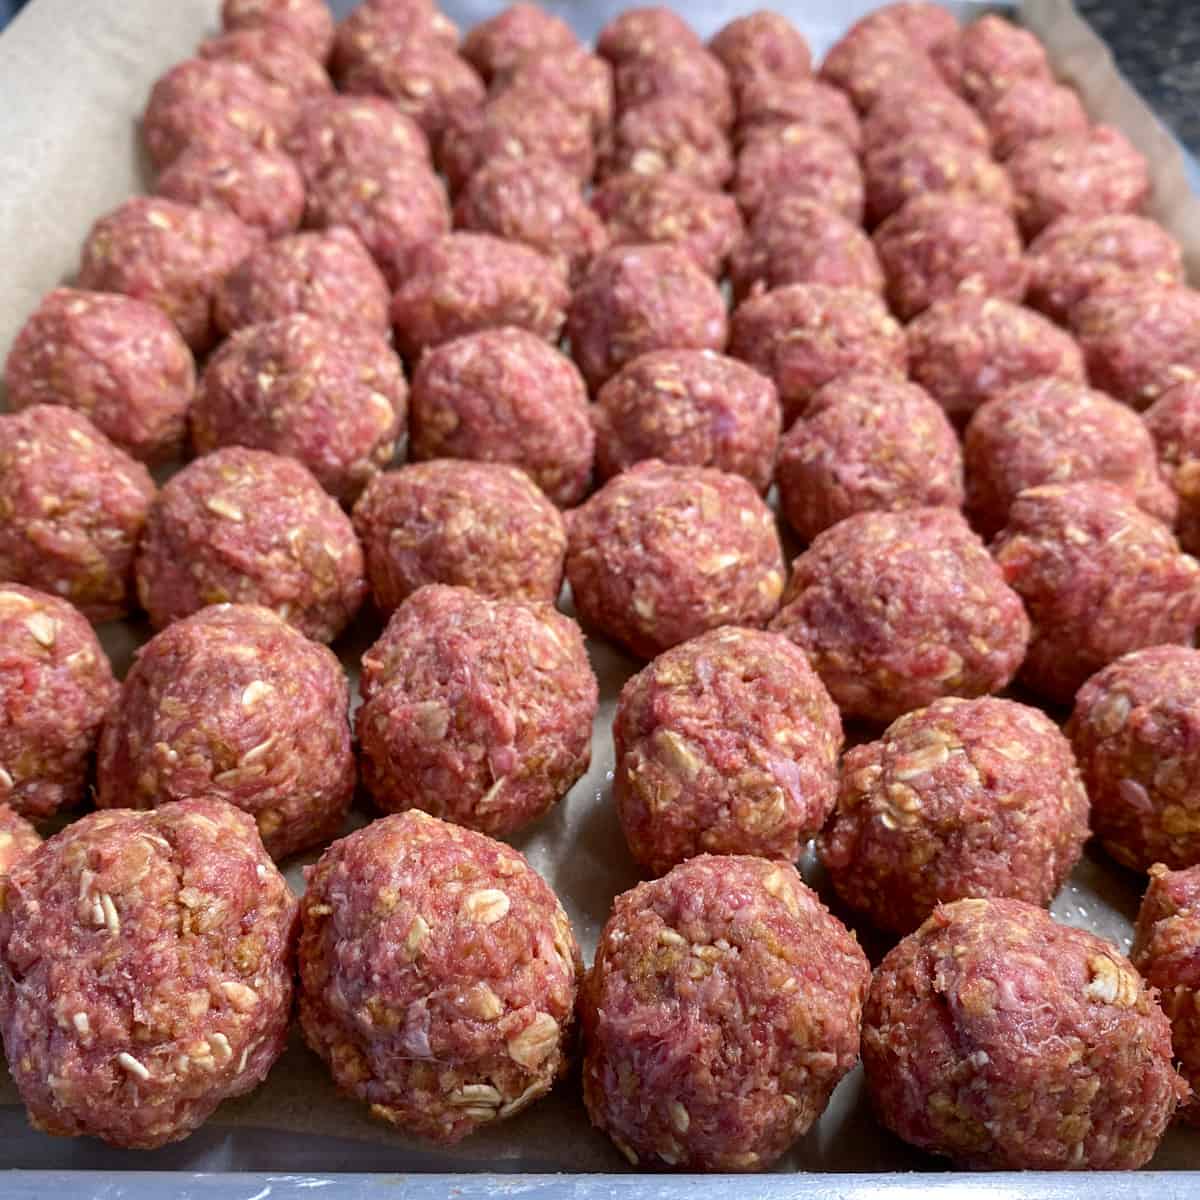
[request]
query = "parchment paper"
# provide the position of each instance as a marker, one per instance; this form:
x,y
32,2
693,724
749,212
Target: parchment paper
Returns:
x,y
73,78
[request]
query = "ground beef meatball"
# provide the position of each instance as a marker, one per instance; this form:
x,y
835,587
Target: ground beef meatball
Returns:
x,y
691,408
644,33
1056,431
576,78
804,335
145,972
118,361
332,397
769,101
968,348
940,244
72,508
279,60
867,443
898,609
681,71
762,43
505,395
1033,108
249,527
308,23
798,160
722,1010
635,299
868,63
18,840
926,25
55,686
963,798
995,54
1099,577
381,27
727,744
920,111
671,134
1174,423
663,553
437,975
497,45
485,526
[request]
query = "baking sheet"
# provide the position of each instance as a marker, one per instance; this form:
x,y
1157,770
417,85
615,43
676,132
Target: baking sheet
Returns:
x,y
74,77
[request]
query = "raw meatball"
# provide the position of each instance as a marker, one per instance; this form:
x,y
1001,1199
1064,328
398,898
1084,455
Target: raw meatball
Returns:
x,y
485,526
670,134
681,71
497,45
55,687
504,395
1033,108
581,81
804,335
1099,577
73,507
941,244
798,160
1056,431
1174,423
963,798
868,63
644,33
634,299
762,43
234,704
770,101
926,25
727,744
280,61
968,348
722,1010
328,275
476,710
18,840
921,111
118,361
663,553
437,975
308,23
867,443
332,397
381,27
995,55
467,282
897,609
168,254
691,408
249,527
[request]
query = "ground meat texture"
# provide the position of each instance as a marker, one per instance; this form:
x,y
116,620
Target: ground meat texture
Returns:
x,y
919,110
576,78
171,255
663,553
55,687
867,443
963,798
681,71
497,45
727,744
898,609
328,275
379,27
280,61
18,840
968,348
145,972
505,395
1174,423
798,160
644,33
804,335
768,101
330,396
72,508
635,299
671,134
926,25
1056,431
869,63
995,55
249,527
762,43
1080,175
485,526
722,1010
234,704
308,23
691,408
118,361
437,975
1099,577
1030,109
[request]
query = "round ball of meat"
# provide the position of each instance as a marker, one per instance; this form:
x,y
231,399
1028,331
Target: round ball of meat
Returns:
x,y
505,395
635,299
963,798
249,527
663,553
308,23
804,335
73,506
798,160
116,360
898,609
332,397
580,80
968,348
1074,256
770,101
1174,423
927,25
376,27
1004,1040
1099,577
485,526
644,33
670,134
18,840
1033,108
727,744
145,972
497,45
728,998
56,686
279,60
684,72
1057,431
454,723
938,245
762,43
996,55
868,63
918,110
867,443
692,408
438,975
